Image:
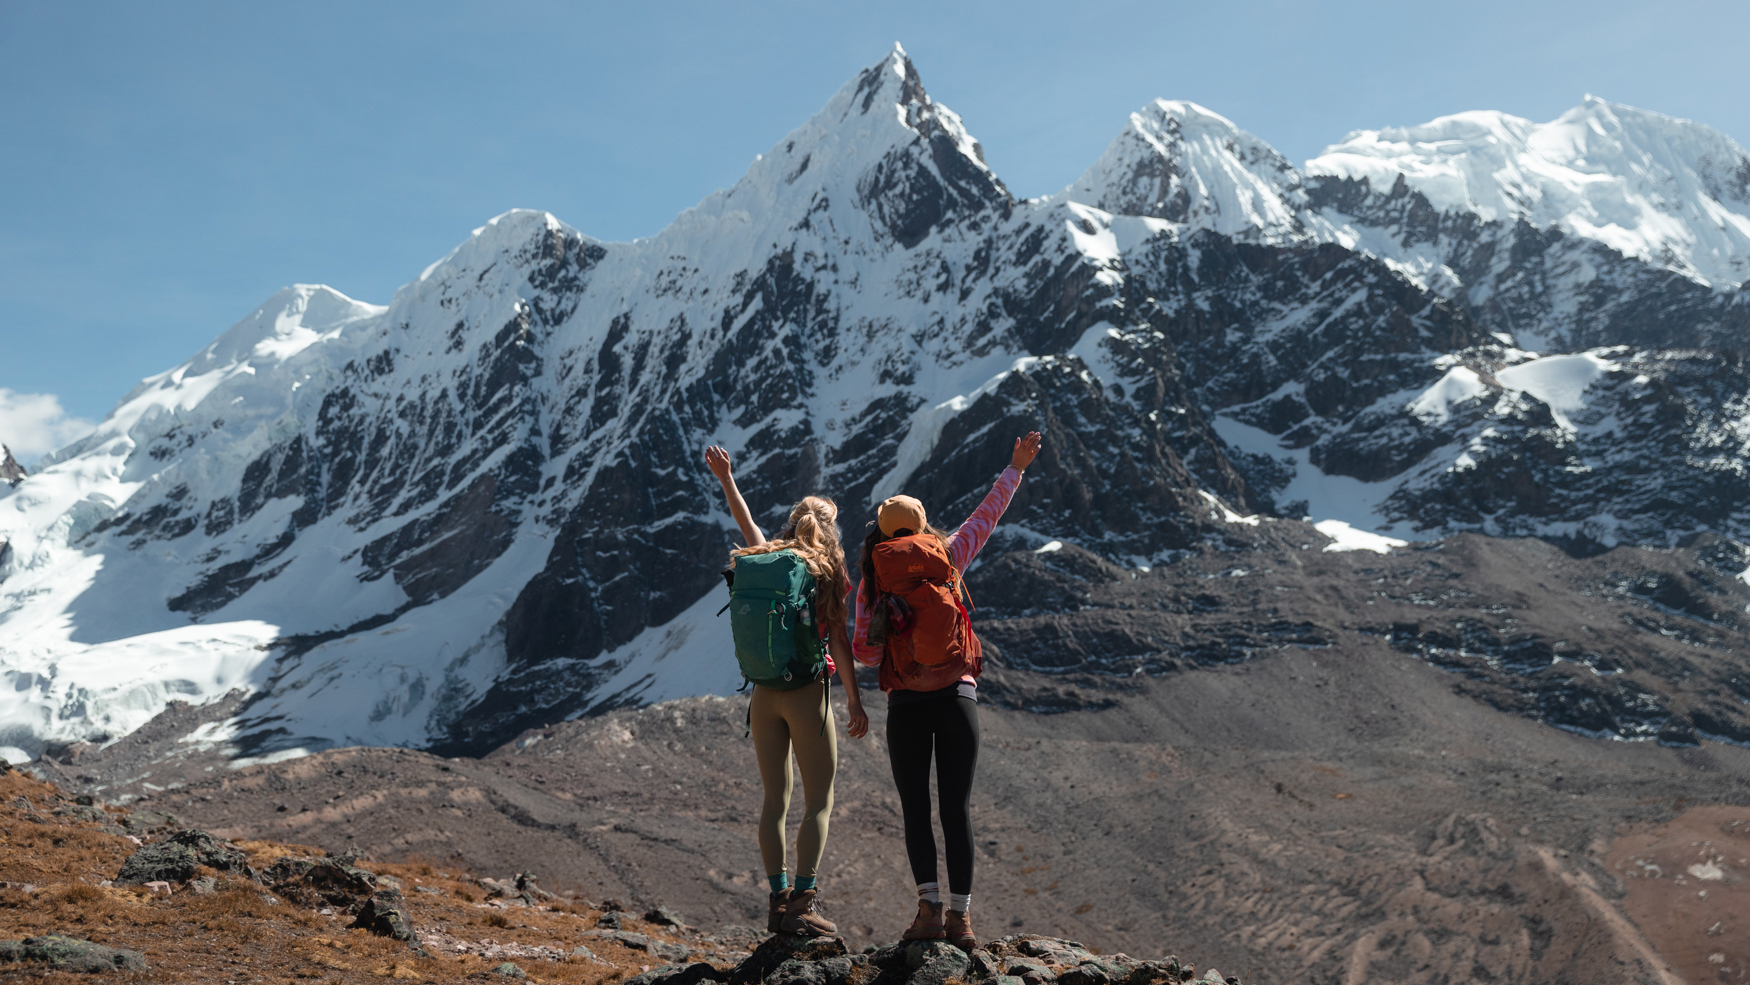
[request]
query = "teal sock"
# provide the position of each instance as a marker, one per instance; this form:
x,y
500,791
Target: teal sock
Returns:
x,y
780,882
804,883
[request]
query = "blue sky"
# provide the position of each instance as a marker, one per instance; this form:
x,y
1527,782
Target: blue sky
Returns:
x,y
166,167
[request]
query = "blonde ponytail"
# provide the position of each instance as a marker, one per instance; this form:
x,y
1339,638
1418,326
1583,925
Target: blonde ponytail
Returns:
x,y
812,533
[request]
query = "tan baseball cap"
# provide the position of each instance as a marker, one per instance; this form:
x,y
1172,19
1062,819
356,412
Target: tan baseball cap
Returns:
x,y
900,513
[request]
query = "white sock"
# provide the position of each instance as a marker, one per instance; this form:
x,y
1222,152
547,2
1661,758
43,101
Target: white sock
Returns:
x,y
931,891
959,902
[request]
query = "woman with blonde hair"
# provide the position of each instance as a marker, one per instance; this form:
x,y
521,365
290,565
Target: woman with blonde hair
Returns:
x,y
788,615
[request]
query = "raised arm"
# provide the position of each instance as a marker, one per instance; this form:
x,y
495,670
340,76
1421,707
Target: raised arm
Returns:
x,y
966,541
718,460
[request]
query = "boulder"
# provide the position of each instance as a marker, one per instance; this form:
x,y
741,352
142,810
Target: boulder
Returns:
x,y
71,954
678,974
385,914
176,859
509,970
316,882
935,962
662,916
781,948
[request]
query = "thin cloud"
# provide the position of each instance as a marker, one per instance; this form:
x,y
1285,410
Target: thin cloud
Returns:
x,y
34,424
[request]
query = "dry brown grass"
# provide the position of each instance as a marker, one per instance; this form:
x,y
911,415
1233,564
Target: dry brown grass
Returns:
x,y
237,933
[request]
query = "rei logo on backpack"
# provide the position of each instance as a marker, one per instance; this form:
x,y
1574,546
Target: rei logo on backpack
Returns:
x,y
778,642
920,617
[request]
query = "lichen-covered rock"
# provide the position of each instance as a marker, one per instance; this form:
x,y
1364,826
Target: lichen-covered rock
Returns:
x,y
176,859
781,948
509,970
935,962
662,916
71,954
386,915
315,882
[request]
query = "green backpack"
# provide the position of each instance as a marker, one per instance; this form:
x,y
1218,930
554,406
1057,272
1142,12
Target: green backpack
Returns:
x,y
771,616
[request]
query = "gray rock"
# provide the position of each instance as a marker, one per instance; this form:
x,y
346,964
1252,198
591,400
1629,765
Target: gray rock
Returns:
x,y
148,822
1150,972
176,858
1006,980
204,886
677,974
656,975
934,962
71,954
781,948
509,970
662,916
609,920
643,942
669,952
794,972
332,881
386,915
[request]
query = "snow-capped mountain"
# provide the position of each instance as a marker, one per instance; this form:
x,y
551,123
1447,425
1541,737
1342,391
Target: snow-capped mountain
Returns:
x,y
481,507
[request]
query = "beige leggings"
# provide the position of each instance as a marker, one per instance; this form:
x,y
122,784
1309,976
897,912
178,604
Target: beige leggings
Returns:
x,y
799,719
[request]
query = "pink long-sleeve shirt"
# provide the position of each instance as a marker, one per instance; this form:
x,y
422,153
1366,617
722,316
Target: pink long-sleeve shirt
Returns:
x,y
963,545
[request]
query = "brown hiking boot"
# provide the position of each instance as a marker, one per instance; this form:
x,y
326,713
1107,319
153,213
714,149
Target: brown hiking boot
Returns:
x,y
775,910
802,916
958,929
928,925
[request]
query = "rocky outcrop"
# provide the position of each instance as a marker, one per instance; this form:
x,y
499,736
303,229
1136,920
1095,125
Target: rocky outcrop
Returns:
x,y
332,881
385,914
11,472
1022,959
179,858
61,953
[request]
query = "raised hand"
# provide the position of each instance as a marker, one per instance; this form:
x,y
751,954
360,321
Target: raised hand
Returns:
x,y
718,459
1025,449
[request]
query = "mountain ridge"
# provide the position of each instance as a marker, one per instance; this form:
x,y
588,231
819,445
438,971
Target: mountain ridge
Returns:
x,y
478,508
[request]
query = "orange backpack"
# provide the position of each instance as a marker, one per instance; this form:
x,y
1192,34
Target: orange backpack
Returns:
x,y
926,629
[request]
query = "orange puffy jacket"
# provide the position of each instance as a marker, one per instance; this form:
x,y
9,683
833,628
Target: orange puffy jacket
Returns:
x,y
939,647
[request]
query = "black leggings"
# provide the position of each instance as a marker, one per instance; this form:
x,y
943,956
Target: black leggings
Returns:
x,y
949,728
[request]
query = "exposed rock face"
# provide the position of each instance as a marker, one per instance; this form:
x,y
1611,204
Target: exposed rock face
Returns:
x,y
11,472
481,508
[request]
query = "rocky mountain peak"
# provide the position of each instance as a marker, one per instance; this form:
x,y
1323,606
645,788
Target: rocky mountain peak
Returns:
x,y
1178,161
883,147
1665,190
11,472
480,508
